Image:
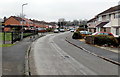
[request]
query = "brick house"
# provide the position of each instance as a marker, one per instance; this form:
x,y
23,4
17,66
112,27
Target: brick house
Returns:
x,y
17,23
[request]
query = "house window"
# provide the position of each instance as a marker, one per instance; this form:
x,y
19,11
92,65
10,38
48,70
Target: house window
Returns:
x,y
107,17
117,16
100,18
117,31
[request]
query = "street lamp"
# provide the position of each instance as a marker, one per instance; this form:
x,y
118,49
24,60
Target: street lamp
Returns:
x,y
22,21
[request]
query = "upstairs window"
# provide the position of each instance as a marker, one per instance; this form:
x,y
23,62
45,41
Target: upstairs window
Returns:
x,y
117,15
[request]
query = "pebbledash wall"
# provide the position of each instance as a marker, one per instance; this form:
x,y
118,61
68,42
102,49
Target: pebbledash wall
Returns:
x,y
112,16
115,26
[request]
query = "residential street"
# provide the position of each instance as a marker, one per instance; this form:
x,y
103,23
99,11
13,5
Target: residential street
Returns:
x,y
52,55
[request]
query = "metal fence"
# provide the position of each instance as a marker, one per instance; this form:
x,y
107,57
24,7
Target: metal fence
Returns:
x,y
11,37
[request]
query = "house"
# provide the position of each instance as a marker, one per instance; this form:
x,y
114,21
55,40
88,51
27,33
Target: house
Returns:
x,y
92,25
107,21
17,23
13,20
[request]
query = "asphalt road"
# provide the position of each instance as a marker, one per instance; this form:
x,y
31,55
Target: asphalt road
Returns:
x,y
52,55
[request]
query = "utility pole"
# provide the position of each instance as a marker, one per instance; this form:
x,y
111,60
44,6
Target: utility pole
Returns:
x,y
22,21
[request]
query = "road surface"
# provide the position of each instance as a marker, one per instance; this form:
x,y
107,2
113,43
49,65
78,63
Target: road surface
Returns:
x,y
52,55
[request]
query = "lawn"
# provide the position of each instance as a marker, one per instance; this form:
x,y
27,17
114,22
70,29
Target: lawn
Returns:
x,y
6,45
7,36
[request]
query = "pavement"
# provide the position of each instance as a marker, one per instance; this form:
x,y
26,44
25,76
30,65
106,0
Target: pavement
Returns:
x,y
107,53
112,49
13,58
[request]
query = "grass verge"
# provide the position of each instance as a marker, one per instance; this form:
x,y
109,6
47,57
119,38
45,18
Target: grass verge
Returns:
x,y
6,45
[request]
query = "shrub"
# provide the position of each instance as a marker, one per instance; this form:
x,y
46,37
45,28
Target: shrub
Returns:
x,y
102,40
49,29
118,38
77,35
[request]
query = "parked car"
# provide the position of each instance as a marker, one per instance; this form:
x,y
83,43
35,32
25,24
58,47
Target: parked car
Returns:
x,y
56,31
62,30
85,33
72,30
42,30
103,33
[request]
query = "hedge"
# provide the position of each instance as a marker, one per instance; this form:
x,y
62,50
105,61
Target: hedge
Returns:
x,y
77,35
118,38
102,40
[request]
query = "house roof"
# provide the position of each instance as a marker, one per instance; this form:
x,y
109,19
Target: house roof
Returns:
x,y
91,20
101,24
112,9
17,18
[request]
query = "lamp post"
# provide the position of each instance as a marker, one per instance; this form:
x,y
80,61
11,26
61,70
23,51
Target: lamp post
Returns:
x,y
22,21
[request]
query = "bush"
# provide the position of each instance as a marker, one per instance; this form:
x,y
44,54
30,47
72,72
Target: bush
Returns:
x,y
49,29
118,38
77,35
102,40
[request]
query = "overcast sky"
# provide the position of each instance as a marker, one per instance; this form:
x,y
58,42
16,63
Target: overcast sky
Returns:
x,y
52,10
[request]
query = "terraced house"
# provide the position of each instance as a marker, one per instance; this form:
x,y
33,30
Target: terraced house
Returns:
x,y
28,24
106,21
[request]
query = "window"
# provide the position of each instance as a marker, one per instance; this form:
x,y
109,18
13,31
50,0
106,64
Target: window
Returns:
x,y
117,31
110,16
107,17
117,15
100,18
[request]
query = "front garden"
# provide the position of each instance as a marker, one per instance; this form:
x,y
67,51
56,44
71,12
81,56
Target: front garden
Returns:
x,y
100,40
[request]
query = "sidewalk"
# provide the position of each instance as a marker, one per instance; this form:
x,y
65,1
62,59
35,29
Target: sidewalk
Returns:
x,y
107,54
13,58
106,48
